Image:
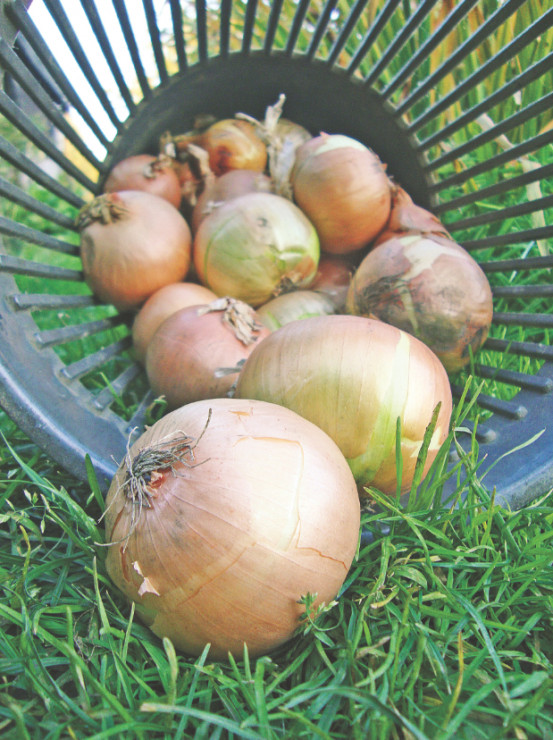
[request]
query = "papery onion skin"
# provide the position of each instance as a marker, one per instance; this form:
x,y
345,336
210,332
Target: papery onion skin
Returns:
x,y
191,347
255,246
353,377
230,185
145,172
228,546
333,278
131,255
342,187
406,217
232,144
430,287
294,306
160,306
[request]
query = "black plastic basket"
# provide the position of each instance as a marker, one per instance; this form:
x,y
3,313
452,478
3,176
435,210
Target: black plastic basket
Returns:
x,y
451,95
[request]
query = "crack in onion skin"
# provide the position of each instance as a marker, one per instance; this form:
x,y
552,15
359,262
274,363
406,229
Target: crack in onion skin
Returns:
x,y
342,187
267,513
430,287
255,246
353,377
128,257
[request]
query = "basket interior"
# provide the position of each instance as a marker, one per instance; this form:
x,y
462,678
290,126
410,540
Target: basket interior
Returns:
x,y
451,97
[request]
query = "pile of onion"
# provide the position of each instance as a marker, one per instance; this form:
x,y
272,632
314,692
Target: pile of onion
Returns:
x,y
154,175
197,351
132,243
354,378
160,306
256,246
342,187
421,281
223,516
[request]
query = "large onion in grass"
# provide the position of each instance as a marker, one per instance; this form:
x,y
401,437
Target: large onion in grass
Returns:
x,y
197,351
342,187
224,515
294,306
132,243
160,306
355,377
429,286
256,246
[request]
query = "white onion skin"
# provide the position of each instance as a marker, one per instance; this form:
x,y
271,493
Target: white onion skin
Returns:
x,y
342,187
353,377
430,287
294,306
230,546
125,261
187,350
160,306
252,244
129,174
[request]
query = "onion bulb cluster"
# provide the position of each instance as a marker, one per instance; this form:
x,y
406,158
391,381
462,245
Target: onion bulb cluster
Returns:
x,y
299,315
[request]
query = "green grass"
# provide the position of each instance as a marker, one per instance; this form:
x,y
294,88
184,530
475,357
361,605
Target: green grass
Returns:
x,y
444,628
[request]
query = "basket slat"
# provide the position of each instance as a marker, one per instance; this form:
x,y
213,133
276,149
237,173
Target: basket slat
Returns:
x,y
95,360
59,16
28,234
107,50
22,198
130,40
32,36
18,118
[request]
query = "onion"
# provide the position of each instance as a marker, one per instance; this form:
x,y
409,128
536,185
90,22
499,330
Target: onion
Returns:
x,y
300,304
160,306
342,187
196,352
256,246
226,187
224,515
145,172
432,288
232,144
333,278
132,243
282,138
406,217
354,377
